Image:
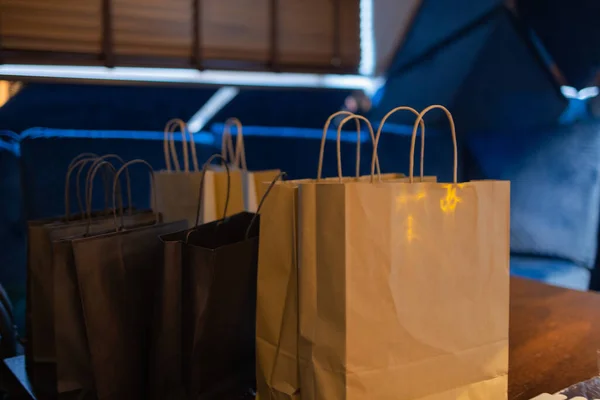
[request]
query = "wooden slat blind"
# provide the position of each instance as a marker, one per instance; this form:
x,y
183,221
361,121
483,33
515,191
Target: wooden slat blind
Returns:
x,y
70,26
235,30
309,34
157,28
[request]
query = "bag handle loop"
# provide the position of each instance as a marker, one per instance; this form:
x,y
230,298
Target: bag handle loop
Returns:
x,y
201,191
127,178
81,156
79,164
236,156
91,188
452,132
380,129
169,146
339,141
78,161
324,137
204,169
152,188
279,176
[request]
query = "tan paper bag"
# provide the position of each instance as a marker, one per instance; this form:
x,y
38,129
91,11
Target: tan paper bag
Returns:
x,y
177,189
277,298
410,294
251,186
307,241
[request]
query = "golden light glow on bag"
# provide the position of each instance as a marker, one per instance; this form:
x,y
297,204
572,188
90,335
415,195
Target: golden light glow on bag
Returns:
x,y
448,203
410,232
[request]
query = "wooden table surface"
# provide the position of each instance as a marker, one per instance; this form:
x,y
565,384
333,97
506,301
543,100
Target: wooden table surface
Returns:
x,y
554,338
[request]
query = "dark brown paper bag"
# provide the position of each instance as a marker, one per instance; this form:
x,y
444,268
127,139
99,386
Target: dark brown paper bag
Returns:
x,y
206,309
208,299
73,365
165,369
219,303
40,349
117,274
165,373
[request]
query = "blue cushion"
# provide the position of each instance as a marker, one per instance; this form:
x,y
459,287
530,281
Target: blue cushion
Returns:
x,y
12,227
555,191
555,272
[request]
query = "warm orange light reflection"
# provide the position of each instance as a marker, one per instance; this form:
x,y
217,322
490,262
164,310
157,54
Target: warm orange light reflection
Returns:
x,y
405,198
449,202
410,230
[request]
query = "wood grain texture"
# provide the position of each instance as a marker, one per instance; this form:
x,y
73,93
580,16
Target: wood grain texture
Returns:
x,y
229,30
554,337
57,25
235,29
153,27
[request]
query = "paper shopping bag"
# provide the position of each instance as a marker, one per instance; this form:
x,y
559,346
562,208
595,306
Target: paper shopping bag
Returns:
x,y
203,342
411,289
116,273
277,298
73,364
177,189
41,349
251,181
165,365
307,209
166,374
219,302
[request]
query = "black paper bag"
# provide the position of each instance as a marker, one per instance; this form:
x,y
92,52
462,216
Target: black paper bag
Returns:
x,y
117,276
219,307
40,349
165,373
203,344
73,365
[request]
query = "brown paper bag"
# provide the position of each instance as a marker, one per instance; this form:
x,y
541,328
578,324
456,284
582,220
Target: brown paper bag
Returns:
x,y
409,298
73,365
117,282
166,365
177,189
252,189
307,209
41,349
277,298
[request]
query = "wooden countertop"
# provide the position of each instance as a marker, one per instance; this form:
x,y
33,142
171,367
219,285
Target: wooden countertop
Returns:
x,y
554,338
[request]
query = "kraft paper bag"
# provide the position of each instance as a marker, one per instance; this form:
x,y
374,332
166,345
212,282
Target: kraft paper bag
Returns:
x,y
41,350
165,370
251,181
219,303
116,274
204,325
308,211
73,368
236,190
166,359
177,188
410,293
277,298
